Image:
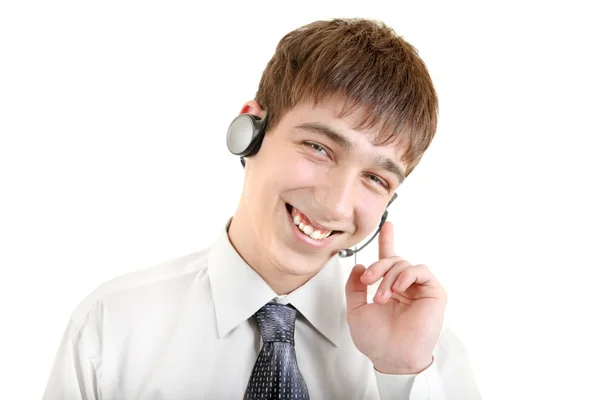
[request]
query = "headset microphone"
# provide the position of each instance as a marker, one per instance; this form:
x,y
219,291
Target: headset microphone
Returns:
x,y
349,252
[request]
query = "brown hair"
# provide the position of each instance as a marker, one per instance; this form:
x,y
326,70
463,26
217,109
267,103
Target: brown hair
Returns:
x,y
377,71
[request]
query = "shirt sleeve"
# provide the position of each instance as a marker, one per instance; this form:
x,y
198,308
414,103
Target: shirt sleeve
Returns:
x,y
74,372
450,376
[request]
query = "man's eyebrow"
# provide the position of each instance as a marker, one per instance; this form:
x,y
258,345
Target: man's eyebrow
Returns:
x,y
335,137
389,165
380,161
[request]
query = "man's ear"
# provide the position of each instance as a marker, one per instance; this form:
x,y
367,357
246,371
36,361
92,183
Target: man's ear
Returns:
x,y
252,107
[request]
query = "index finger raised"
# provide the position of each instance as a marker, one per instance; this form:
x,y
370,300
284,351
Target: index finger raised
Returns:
x,y
386,240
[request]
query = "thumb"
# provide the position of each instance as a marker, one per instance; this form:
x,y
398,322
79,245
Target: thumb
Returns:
x,y
356,291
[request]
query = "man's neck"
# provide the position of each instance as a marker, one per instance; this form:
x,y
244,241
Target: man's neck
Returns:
x,y
255,255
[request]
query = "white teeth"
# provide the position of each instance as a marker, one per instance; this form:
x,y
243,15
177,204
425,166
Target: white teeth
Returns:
x,y
315,234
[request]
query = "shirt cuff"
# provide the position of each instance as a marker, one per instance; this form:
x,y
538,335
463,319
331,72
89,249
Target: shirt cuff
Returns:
x,y
423,386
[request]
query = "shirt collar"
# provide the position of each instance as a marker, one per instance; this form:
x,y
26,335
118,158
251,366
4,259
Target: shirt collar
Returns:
x,y
238,291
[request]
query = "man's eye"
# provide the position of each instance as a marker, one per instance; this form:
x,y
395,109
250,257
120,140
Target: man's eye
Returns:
x,y
377,181
318,148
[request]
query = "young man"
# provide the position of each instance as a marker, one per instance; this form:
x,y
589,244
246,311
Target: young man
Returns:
x,y
344,112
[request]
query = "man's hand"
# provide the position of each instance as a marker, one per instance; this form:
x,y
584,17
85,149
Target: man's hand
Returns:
x,y
400,329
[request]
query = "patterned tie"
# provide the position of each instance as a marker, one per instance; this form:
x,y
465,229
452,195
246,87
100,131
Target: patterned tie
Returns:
x,y
276,374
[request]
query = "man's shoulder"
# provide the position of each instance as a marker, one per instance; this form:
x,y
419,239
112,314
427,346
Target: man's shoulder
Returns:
x,y
153,279
450,345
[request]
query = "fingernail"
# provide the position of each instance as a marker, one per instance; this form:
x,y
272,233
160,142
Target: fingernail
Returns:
x,y
368,272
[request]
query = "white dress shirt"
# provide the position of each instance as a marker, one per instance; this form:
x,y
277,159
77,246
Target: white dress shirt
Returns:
x,y
184,330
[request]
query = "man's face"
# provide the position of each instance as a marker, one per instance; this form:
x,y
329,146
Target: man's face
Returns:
x,y
314,170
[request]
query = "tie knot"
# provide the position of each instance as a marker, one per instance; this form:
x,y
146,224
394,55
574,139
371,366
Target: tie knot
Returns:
x,y
276,322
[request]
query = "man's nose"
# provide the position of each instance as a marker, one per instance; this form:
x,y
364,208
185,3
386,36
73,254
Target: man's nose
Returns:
x,y
335,196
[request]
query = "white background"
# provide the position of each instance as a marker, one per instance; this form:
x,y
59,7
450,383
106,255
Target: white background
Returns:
x,y
113,158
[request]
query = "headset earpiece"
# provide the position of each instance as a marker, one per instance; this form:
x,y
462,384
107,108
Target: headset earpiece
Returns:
x,y
245,135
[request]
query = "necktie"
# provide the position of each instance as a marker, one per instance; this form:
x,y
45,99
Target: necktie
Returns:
x,y
275,374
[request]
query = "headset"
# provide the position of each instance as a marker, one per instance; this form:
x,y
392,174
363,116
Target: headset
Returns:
x,y
245,135
244,138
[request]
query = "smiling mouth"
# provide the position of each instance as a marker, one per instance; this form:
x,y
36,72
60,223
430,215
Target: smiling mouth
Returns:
x,y
309,230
